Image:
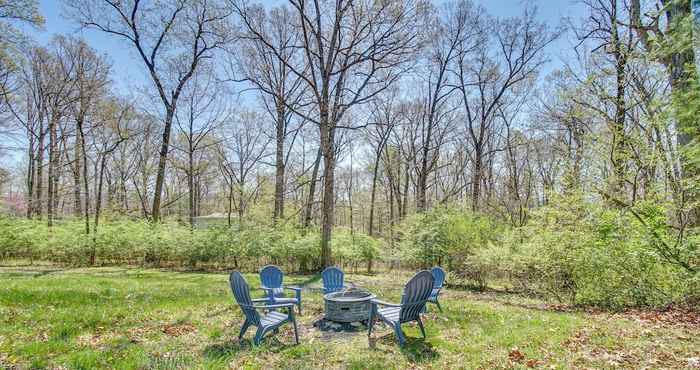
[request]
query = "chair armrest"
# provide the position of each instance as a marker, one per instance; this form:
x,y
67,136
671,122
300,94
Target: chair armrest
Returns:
x,y
293,288
260,299
269,306
382,303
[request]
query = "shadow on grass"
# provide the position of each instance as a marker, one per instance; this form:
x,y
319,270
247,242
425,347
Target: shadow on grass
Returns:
x,y
309,280
542,307
226,349
26,272
416,350
230,348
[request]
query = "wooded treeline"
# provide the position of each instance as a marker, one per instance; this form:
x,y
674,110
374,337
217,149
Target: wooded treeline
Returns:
x,y
355,114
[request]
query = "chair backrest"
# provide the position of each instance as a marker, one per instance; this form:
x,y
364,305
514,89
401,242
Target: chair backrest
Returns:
x,y
415,294
271,276
241,293
439,275
332,279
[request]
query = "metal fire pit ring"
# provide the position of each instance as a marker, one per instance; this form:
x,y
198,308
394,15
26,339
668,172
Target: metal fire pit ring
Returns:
x,y
349,305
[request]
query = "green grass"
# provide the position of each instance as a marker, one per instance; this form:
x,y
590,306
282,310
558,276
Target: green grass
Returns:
x,y
130,318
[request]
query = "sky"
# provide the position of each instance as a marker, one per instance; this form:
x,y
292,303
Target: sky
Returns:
x,y
128,72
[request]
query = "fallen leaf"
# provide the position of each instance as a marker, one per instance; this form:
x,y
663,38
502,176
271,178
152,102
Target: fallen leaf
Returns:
x,y
515,355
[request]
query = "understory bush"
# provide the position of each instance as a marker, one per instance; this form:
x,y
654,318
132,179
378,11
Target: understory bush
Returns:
x,y
124,241
445,236
582,253
572,250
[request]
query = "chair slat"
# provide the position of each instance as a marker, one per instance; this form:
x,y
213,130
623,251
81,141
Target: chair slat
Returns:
x,y
266,323
333,279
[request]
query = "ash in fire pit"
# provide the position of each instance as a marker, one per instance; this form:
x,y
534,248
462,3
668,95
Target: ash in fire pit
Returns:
x,y
349,305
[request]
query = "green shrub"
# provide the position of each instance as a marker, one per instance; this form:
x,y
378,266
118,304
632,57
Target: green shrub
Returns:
x,y
355,248
583,253
445,236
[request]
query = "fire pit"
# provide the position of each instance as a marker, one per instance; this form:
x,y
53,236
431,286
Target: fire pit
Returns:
x,y
348,305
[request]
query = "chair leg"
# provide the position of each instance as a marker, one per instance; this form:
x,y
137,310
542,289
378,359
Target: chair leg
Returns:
x,y
420,325
370,322
399,334
298,293
259,336
438,304
244,328
296,330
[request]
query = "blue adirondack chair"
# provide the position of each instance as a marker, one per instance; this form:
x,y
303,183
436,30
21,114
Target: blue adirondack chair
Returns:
x,y
332,280
415,295
439,275
264,322
271,278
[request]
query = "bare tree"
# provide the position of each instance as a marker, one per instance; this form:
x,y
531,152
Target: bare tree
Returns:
x,y
281,90
385,116
202,113
11,42
172,38
455,30
243,149
351,50
612,45
91,80
61,93
512,52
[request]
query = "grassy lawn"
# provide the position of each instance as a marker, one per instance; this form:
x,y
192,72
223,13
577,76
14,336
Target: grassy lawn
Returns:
x,y
145,318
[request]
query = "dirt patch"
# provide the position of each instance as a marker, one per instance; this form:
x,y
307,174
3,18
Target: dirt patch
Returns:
x,y
671,317
577,341
176,330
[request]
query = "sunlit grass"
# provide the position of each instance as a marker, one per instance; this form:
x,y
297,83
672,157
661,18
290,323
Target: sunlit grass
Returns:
x,y
130,318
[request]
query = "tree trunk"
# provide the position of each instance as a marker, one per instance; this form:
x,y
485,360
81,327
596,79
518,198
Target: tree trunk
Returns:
x,y
241,203
279,164
53,169
190,185
230,203
30,174
370,229
85,180
39,181
328,147
98,205
476,177
77,153
162,161
618,154
404,208
308,212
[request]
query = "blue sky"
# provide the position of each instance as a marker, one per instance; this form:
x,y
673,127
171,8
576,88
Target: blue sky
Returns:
x,y
128,71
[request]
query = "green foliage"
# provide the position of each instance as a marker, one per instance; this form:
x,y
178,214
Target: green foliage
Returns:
x,y
123,241
445,235
581,252
573,250
355,248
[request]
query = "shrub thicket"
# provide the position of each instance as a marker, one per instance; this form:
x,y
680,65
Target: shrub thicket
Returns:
x,y
123,241
582,253
571,250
